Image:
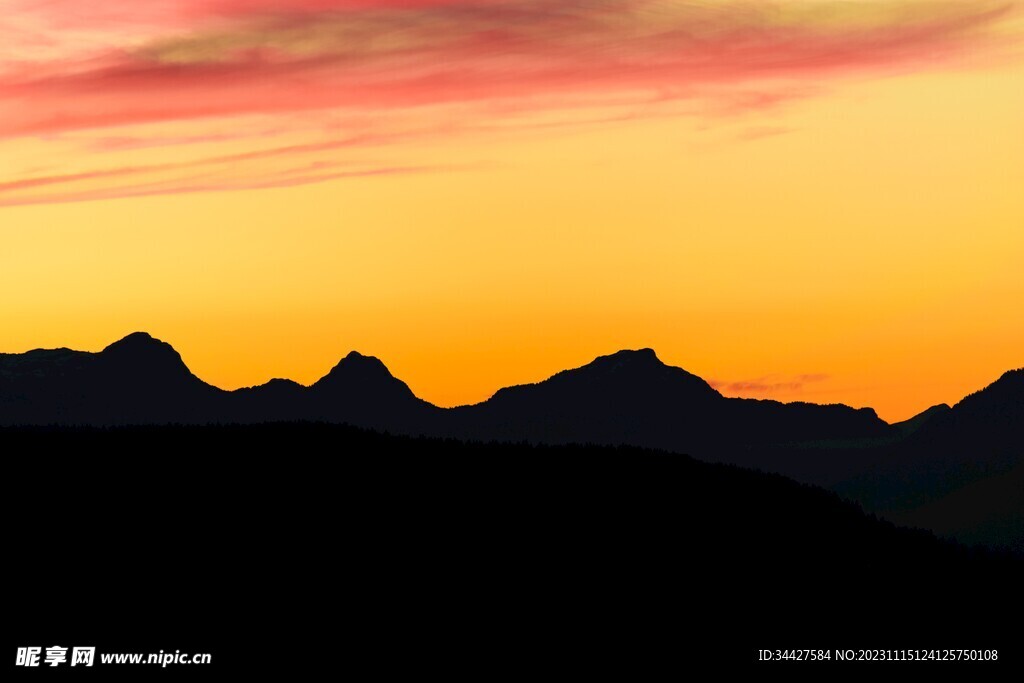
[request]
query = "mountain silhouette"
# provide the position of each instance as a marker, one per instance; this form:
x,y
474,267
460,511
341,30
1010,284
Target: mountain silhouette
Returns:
x,y
361,390
628,398
142,379
139,352
137,380
632,397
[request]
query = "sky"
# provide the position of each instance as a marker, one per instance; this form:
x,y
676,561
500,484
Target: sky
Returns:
x,y
807,200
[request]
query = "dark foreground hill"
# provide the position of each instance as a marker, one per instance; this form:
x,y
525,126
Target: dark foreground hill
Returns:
x,y
953,470
311,550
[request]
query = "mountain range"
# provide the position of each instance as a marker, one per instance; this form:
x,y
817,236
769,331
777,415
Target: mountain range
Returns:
x,y
955,470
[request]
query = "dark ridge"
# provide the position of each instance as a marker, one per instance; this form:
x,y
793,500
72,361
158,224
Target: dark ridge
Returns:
x,y
1005,395
276,384
39,363
456,555
913,424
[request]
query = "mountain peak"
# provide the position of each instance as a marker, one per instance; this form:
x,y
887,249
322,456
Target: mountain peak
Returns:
x,y
632,357
277,384
136,340
140,346
634,376
357,362
356,357
359,373
140,358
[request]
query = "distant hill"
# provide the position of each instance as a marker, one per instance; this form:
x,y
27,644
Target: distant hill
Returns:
x,y
626,398
958,472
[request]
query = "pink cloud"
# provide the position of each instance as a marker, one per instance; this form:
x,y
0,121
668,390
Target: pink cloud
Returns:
x,y
107,65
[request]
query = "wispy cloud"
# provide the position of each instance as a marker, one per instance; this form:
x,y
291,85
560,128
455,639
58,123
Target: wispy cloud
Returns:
x,y
768,385
297,164
137,187
67,66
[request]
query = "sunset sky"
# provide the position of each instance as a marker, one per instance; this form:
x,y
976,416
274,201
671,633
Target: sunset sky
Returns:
x,y
816,200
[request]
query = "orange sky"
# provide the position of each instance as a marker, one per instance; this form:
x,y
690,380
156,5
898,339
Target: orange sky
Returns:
x,y
802,199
